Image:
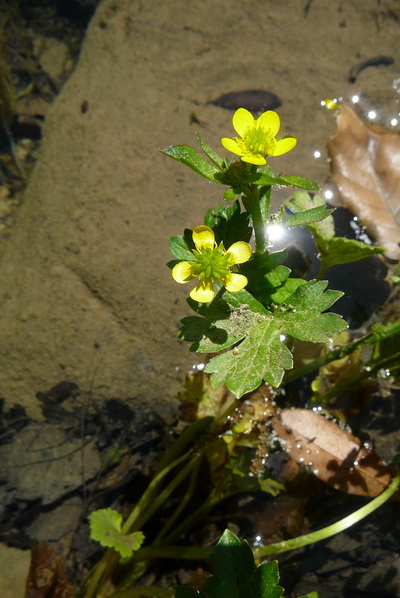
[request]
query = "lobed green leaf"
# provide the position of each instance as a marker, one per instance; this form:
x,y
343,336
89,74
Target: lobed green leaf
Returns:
x,y
105,528
254,335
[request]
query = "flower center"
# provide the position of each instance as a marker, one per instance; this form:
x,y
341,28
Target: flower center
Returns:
x,y
259,140
211,263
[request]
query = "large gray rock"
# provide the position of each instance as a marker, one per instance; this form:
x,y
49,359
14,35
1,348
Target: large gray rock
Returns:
x,y
85,294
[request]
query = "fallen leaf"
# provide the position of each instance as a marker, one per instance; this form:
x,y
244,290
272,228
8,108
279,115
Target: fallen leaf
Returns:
x,y
47,578
331,453
366,168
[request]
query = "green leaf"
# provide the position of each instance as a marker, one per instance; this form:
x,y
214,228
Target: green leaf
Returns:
x,y
308,217
340,250
235,575
181,247
284,291
276,277
105,528
210,153
265,201
264,263
187,155
260,356
229,224
254,335
262,178
265,272
302,317
298,182
303,202
333,250
230,195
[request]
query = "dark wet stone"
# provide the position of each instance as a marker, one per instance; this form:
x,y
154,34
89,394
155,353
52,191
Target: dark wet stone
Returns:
x,y
255,100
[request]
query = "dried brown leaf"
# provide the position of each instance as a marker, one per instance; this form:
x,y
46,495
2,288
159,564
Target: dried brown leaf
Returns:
x,y
47,578
334,455
366,168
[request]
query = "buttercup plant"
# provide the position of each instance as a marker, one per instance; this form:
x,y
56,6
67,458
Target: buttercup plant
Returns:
x,y
247,309
250,316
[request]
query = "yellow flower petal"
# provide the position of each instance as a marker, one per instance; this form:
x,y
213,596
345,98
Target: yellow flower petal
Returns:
x,y
182,272
242,119
270,120
239,253
203,293
234,282
284,145
231,145
256,159
203,237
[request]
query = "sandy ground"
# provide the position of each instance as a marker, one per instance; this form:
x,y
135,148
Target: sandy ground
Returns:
x,y
85,294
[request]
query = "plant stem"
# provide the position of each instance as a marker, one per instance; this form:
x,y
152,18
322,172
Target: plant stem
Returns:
x,y
370,339
184,501
253,197
147,504
330,530
199,553
187,437
211,501
367,372
156,501
147,497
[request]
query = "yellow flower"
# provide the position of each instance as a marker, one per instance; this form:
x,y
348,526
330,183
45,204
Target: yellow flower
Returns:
x,y
210,263
258,137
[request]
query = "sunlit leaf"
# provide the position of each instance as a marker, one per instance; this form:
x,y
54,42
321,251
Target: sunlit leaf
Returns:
x,y
302,202
105,528
261,178
187,155
210,153
261,356
340,250
255,335
307,217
